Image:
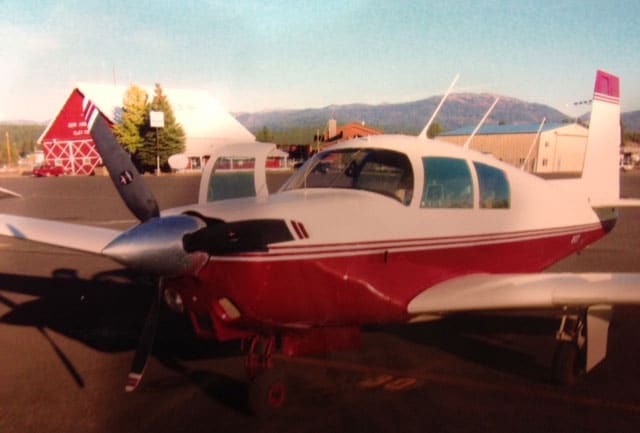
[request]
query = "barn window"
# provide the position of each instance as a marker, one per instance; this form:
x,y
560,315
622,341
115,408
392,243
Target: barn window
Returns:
x,y
494,187
195,162
447,183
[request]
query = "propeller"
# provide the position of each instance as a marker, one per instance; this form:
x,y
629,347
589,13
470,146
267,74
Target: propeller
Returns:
x,y
146,342
170,245
141,202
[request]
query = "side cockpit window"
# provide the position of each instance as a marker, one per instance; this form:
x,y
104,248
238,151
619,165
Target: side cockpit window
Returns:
x,y
493,186
381,171
231,177
447,183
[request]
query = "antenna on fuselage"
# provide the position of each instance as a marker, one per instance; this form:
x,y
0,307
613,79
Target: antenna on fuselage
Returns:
x,y
475,131
524,164
423,133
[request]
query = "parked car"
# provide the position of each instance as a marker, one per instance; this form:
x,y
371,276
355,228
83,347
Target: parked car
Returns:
x,y
48,170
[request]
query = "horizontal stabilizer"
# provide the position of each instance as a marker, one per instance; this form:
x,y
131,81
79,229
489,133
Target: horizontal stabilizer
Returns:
x,y
78,237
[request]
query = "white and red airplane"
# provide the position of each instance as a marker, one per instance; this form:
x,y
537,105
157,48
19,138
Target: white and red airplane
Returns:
x,y
382,229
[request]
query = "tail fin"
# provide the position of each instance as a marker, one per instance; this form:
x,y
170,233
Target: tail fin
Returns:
x,y
601,172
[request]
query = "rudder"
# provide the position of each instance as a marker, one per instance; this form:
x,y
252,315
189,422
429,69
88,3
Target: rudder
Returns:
x,y
601,173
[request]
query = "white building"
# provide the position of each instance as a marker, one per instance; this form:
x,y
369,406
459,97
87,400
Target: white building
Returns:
x,y
206,123
560,148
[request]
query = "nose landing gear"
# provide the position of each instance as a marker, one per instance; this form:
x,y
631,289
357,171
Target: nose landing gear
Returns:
x,y
268,388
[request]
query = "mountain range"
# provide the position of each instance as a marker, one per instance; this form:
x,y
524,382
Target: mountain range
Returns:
x,y
461,109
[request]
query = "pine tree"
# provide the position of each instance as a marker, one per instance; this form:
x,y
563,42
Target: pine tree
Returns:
x,y
264,135
134,110
170,139
434,130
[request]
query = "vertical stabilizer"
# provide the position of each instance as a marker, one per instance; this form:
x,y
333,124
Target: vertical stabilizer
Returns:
x,y
601,173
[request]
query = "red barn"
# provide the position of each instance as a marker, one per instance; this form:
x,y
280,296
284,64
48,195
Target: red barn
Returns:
x,y
66,141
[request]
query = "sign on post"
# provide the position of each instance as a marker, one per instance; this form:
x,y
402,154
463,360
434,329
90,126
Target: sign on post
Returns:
x,y
156,119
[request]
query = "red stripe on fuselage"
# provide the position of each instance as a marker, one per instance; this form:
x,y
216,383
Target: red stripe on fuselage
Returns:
x,y
297,229
303,230
280,252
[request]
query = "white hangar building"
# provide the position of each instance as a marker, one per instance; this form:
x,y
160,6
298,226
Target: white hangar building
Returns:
x,y
206,123
560,148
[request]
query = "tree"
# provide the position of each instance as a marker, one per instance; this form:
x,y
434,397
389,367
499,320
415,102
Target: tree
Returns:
x,y
134,112
434,130
264,135
170,139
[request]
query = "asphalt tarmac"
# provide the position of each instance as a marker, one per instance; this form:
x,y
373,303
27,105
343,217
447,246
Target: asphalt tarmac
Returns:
x,y
69,323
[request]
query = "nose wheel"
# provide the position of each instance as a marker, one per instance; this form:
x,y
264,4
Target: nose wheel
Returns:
x,y
268,388
268,393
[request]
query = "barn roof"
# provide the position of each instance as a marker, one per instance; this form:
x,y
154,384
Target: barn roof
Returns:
x,y
492,129
206,123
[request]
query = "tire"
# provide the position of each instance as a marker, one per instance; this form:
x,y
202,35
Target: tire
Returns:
x,y
268,393
567,366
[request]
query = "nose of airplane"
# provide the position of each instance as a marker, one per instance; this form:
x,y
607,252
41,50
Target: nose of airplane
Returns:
x,y
156,246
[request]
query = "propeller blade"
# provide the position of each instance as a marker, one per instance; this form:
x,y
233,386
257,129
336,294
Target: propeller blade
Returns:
x,y
146,343
126,178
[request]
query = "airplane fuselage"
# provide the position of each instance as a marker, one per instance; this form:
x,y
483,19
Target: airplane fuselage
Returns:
x,y
366,239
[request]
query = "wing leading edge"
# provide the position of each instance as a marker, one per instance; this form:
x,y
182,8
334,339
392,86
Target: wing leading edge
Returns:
x,y
75,236
527,291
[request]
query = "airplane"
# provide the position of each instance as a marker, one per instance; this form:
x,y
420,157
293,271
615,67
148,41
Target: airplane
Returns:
x,y
382,229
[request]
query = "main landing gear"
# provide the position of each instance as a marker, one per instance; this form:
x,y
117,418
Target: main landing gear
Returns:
x,y
268,390
569,359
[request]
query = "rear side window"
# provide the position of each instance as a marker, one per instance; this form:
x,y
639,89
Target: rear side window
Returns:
x,y
494,187
447,183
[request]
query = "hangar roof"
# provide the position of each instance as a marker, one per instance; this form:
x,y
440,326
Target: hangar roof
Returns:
x,y
529,128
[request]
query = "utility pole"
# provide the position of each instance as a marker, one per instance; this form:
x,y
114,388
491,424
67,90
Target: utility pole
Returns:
x,y
156,120
6,134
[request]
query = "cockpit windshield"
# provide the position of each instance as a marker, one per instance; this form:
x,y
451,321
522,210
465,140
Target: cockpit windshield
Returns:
x,y
377,170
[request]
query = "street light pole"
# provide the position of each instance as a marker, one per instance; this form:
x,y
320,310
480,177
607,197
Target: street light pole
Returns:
x,y
156,120
8,149
157,154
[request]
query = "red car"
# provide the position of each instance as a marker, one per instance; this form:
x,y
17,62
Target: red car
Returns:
x,y
48,170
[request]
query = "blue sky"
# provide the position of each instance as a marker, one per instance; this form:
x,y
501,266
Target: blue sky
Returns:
x,y
255,55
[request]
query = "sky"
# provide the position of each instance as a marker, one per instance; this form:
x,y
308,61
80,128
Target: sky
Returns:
x,y
262,55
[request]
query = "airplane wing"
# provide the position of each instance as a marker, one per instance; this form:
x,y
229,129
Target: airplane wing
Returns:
x,y
481,292
75,236
593,293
